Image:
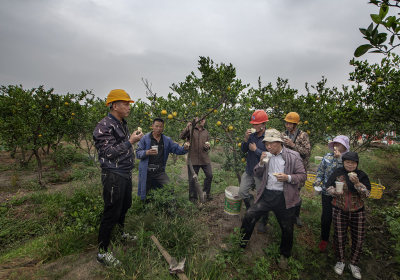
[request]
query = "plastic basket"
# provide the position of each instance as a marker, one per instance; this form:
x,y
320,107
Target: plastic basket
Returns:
x,y
309,182
376,191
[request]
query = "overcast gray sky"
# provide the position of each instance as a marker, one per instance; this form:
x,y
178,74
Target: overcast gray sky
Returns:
x,y
73,45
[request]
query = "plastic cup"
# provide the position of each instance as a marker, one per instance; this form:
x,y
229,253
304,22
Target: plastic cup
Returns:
x,y
339,187
154,148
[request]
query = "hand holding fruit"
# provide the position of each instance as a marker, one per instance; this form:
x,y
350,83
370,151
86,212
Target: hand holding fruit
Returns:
x,y
207,145
281,177
288,142
336,152
186,146
252,147
135,136
247,135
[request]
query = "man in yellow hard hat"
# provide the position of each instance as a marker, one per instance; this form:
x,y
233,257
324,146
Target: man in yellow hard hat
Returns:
x,y
297,140
115,147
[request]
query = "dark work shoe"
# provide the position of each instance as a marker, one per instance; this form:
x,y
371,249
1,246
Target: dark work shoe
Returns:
x,y
107,259
283,262
128,237
298,222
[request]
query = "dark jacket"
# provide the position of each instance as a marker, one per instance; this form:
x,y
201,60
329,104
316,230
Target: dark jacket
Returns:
x,y
198,154
253,158
111,140
293,167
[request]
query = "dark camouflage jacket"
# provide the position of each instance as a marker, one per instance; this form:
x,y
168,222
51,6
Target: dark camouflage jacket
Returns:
x,y
302,146
111,140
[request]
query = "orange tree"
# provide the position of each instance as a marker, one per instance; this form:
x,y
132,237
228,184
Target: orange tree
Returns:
x,y
36,120
214,91
87,111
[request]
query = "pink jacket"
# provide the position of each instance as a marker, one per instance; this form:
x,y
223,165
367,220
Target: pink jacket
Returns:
x,y
293,167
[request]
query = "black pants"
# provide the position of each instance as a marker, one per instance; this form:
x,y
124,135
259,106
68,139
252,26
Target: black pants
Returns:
x,y
271,201
156,180
117,196
326,216
207,181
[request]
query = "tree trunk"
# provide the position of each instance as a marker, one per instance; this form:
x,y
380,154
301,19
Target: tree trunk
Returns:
x,y
40,167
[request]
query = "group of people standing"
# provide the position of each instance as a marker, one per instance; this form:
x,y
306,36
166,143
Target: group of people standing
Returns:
x,y
276,166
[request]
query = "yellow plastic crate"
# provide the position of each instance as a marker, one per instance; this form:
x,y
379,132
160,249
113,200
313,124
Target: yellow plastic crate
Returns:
x,y
376,191
309,182
376,188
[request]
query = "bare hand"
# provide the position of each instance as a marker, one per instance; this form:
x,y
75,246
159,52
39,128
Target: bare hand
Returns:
x,y
354,179
336,152
288,142
252,147
263,155
186,145
281,177
135,136
332,191
247,135
152,152
207,145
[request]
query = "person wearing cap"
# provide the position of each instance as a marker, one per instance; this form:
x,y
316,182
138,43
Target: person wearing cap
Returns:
x,y
279,192
199,158
348,210
339,146
297,140
115,148
153,151
254,147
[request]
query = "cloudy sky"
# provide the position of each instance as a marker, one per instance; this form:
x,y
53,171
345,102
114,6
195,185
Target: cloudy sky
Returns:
x,y
72,45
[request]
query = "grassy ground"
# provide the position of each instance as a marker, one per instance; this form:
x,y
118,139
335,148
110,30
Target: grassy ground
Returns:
x,y
51,233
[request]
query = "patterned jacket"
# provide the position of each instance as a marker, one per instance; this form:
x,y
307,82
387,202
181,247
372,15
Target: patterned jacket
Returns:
x,y
325,169
350,201
302,146
111,140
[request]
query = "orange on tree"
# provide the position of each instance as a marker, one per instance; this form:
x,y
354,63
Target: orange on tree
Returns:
x,y
219,123
239,145
193,103
163,112
230,128
215,111
174,114
170,116
305,122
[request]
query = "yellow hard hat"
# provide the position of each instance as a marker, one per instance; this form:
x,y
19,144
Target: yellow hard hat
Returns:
x,y
118,95
292,117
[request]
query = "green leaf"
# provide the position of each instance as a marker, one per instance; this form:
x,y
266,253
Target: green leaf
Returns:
x,y
370,27
383,11
363,31
376,18
362,50
391,39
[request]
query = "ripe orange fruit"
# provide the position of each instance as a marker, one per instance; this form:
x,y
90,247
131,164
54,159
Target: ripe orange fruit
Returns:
x,y
239,145
163,112
219,123
305,122
174,114
230,128
170,116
